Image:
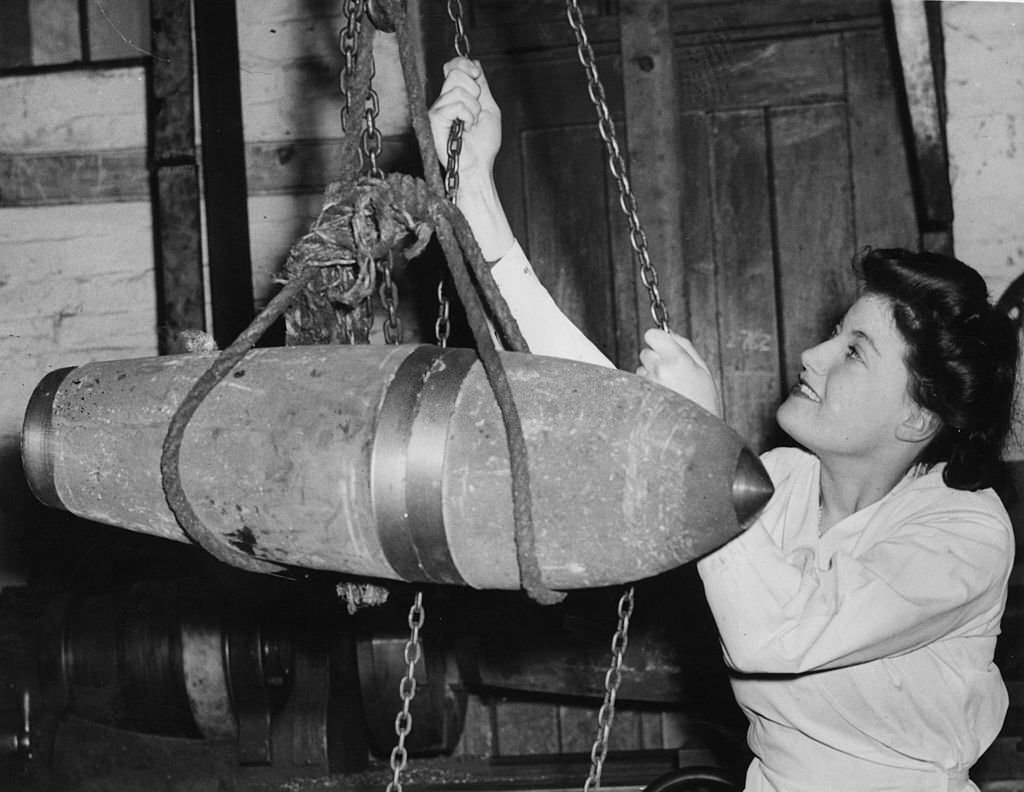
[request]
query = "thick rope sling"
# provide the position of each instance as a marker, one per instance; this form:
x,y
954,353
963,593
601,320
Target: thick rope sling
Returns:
x,y
359,222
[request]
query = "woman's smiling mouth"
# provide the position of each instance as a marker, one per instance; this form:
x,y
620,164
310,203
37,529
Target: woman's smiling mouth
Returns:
x,y
805,391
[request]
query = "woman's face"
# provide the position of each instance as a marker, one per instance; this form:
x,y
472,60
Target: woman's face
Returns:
x,y
852,392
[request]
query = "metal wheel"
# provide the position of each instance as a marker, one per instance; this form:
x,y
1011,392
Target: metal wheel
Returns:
x,y
693,779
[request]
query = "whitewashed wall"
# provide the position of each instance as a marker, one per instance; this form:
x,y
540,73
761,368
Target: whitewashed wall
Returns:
x,y
985,128
76,281
985,131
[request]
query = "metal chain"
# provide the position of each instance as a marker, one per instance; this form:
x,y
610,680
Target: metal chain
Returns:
x,y
388,292
612,680
627,201
442,327
348,43
461,39
372,144
407,690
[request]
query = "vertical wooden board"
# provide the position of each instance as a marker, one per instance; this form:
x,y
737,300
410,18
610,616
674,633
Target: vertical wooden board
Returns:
x,y
577,727
526,727
172,108
625,734
568,234
883,197
632,305
698,242
674,729
477,730
746,278
118,29
651,736
55,34
814,225
541,94
653,144
179,255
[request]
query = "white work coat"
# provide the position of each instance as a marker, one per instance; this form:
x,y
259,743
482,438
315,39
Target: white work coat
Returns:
x,y
864,657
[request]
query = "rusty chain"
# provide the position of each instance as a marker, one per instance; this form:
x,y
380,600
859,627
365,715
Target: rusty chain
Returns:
x,y
617,165
612,680
389,299
442,327
407,690
371,142
348,42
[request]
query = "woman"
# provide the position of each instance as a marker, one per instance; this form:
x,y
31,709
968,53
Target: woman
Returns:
x,y
859,613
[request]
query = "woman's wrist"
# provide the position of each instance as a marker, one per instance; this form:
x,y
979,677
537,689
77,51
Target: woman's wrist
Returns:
x,y
482,208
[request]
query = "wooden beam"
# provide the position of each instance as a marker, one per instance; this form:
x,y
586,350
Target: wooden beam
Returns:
x,y
654,143
224,181
174,180
921,92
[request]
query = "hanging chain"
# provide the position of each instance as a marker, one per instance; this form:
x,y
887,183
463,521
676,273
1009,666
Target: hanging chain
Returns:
x,y
442,327
612,680
389,299
407,690
461,39
627,201
372,144
348,42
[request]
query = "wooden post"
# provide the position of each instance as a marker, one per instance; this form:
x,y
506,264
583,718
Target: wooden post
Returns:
x,y
224,182
935,199
654,145
174,178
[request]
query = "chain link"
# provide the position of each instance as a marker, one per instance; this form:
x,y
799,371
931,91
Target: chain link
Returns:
x,y
461,39
388,292
612,680
372,144
627,201
348,43
442,327
407,690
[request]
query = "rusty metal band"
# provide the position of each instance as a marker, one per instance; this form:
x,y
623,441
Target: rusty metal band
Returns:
x,y
408,463
38,444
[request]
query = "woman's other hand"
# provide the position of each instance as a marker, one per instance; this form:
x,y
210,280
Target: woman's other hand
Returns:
x,y
671,361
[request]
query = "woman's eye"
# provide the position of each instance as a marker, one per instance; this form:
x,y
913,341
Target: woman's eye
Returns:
x,y
853,353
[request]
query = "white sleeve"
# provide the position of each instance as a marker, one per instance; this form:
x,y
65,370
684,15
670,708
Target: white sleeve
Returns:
x,y
780,612
545,328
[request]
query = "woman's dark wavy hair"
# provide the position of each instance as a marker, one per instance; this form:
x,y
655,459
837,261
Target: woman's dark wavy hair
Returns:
x,y
961,355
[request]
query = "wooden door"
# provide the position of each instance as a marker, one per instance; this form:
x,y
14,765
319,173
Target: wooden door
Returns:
x,y
790,159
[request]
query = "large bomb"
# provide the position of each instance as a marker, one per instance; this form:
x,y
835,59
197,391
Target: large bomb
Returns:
x,y
392,462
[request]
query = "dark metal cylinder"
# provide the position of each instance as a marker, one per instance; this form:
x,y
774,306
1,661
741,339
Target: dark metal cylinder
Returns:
x,y
392,462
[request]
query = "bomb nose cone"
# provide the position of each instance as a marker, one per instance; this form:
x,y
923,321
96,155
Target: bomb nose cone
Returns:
x,y
751,487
